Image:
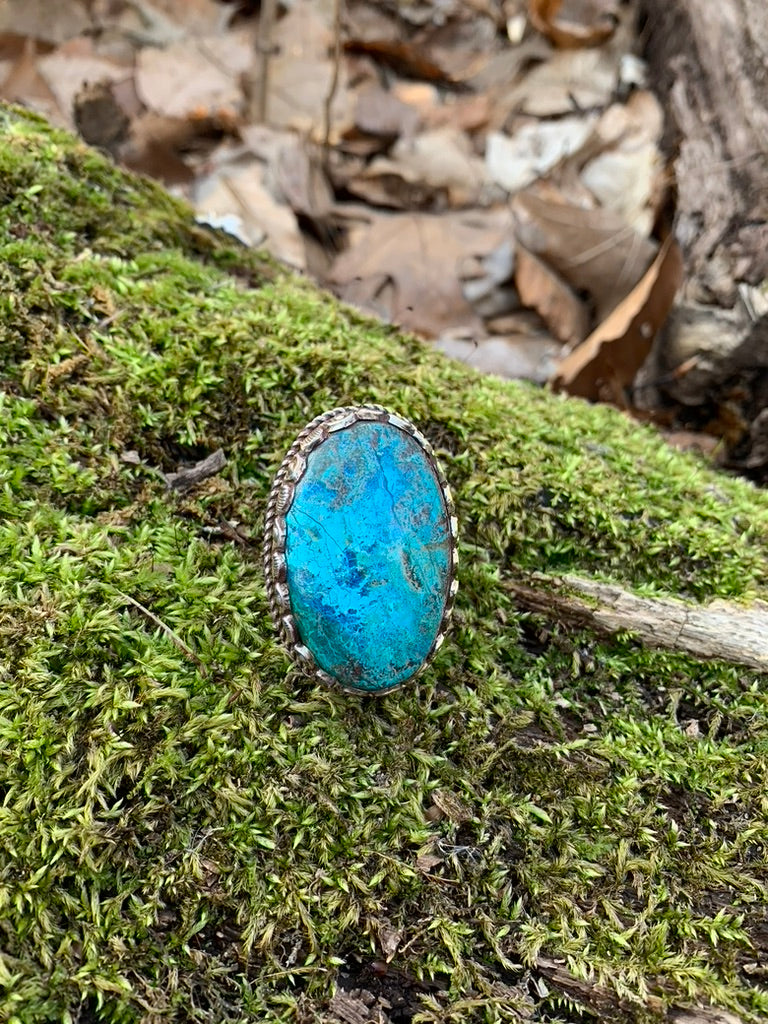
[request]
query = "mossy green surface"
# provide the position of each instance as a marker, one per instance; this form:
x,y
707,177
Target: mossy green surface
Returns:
x,y
192,831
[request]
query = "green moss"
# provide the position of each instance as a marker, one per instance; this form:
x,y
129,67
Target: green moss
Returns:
x,y
192,831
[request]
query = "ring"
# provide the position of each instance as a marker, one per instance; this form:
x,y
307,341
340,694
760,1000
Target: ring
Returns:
x,y
360,550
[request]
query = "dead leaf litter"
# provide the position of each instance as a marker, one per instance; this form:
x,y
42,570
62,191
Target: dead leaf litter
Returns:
x,y
486,175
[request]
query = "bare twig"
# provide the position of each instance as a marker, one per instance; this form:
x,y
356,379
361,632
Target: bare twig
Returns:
x,y
334,82
174,637
257,79
184,479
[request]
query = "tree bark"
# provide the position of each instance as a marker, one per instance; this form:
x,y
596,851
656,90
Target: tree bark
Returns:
x,y
709,61
709,65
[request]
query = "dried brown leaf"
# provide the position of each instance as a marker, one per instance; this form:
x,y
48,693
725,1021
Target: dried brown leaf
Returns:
x,y
153,149
44,20
301,74
509,65
465,113
625,171
293,168
606,363
380,113
436,162
384,185
452,806
390,938
520,354
628,180
193,74
403,58
23,83
158,144
241,191
567,80
73,65
425,862
462,46
421,95
127,25
542,289
692,441
405,267
593,250
299,178
199,17
574,23
515,161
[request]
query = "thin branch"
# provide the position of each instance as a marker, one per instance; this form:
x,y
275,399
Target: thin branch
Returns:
x,y
174,637
257,79
329,99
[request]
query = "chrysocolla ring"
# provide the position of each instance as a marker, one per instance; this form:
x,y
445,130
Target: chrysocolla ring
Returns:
x,y
360,550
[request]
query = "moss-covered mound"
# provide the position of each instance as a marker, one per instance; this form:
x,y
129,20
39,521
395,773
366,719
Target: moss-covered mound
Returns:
x,y
190,830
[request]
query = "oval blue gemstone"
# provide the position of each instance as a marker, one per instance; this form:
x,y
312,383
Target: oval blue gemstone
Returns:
x,y
361,545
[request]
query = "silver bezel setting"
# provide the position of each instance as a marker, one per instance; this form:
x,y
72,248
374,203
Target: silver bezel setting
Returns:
x,y
281,497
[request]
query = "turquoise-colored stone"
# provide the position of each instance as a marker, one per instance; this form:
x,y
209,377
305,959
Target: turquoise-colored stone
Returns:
x,y
368,555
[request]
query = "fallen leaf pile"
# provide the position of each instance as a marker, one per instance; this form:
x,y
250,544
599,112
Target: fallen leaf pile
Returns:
x,y
485,173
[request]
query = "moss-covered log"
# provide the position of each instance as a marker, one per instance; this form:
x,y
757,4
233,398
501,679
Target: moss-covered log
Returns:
x,y
191,831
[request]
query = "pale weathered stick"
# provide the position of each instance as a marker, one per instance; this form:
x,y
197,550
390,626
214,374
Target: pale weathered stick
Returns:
x,y
257,79
331,96
720,629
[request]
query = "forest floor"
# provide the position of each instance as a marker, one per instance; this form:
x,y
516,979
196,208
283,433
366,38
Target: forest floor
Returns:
x,y
558,824
487,174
